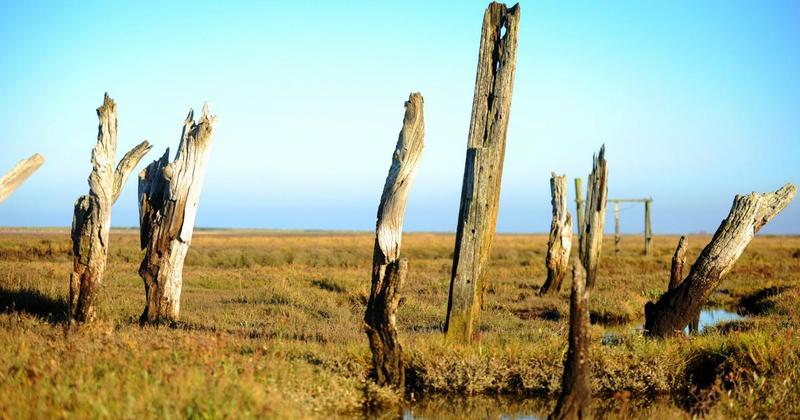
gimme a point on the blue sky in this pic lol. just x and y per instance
(695, 101)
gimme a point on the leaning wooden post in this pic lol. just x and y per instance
(169, 194)
(92, 218)
(591, 242)
(483, 168)
(616, 227)
(749, 213)
(579, 205)
(560, 242)
(576, 393)
(18, 174)
(648, 233)
(388, 269)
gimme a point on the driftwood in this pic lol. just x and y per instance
(388, 269)
(18, 174)
(573, 403)
(92, 218)
(168, 197)
(579, 206)
(749, 213)
(560, 242)
(483, 169)
(591, 241)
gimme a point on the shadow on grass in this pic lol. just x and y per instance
(33, 302)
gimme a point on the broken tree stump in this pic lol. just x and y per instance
(18, 174)
(388, 269)
(591, 241)
(678, 261)
(749, 213)
(579, 205)
(560, 242)
(169, 194)
(92, 217)
(483, 169)
(573, 402)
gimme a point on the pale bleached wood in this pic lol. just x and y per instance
(483, 168)
(388, 269)
(749, 213)
(579, 206)
(560, 242)
(18, 174)
(575, 397)
(92, 216)
(169, 194)
(591, 241)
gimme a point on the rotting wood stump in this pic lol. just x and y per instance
(579, 206)
(18, 174)
(591, 240)
(678, 261)
(675, 309)
(560, 242)
(92, 216)
(575, 397)
(169, 194)
(388, 269)
(483, 169)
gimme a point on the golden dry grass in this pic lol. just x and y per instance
(271, 326)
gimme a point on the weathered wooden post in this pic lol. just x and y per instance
(169, 194)
(749, 213)
(616, 227)
(560, 242)
(579, 205)
(678, 261)
(92, 218)
(18, 174)
(648, 232)
(388, 269)
(483, 168)
(576, 393)
(591, 242)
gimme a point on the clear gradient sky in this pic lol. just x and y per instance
(695, 101)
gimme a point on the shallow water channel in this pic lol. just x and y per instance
(709, 317)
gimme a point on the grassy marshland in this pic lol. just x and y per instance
(271, 326)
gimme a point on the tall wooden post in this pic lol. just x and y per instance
(483, 169)
(560, 242)
(18, 174)
(576, 391)
(388, 269)
(169, 193)
(579, 205)
(591, 243)
(616, 227)
(648, 233)
(91, 221)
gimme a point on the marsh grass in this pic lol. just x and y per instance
(271, 325)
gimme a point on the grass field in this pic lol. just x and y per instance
(271, 326)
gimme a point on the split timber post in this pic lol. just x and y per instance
(676, 277)
(483, 169)
(616, 228)
(92, 218)
(648, 232)
(560, 242)
(749, 213)
(576, 393)
(591, 242)
(579, 205)
(18, 174)
(388, 269)
(169, 194)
